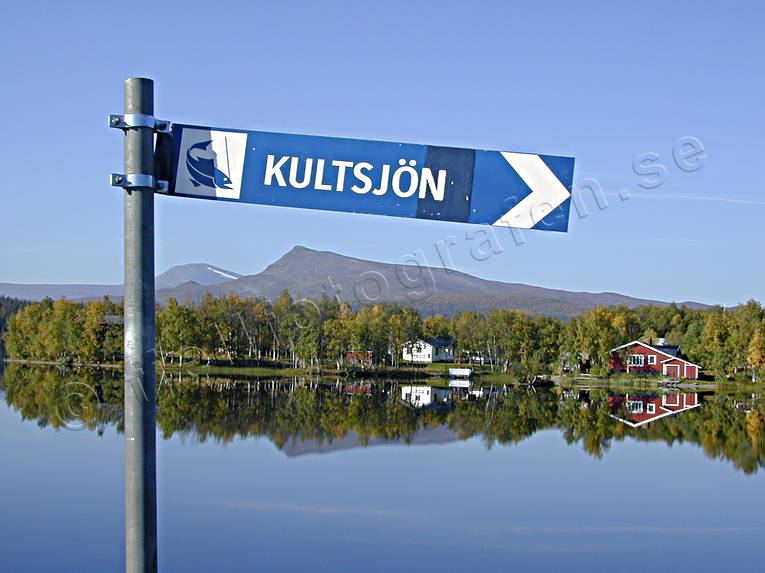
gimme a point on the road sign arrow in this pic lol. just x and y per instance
(372, 177)
(547, 191)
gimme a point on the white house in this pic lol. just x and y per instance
(428, 350)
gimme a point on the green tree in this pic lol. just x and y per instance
(756, 354)
(715, 337)
(467, 327)
(436, 326)
(599, 335)
(404, 329)
(176, 329)
(742, 325)
(337, 334)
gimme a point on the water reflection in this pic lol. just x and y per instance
(303, 416)
(639, 409)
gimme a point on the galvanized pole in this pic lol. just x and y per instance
(140, 378)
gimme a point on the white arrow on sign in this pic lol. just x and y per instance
(547, 191)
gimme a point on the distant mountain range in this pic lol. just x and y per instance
(201, 274)
(309, 273)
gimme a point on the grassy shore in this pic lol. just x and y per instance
(434, 374)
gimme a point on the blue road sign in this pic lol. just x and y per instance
(521, 190)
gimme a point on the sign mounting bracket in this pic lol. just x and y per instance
(131, 120)
(138, 180)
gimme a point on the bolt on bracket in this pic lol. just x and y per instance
(138, 180)
(130, 120)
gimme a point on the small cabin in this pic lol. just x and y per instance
(426, 351)
(638, 356)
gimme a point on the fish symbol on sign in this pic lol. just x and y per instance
(201, 163)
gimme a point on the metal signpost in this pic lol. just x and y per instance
(138, 181)
(520, 190)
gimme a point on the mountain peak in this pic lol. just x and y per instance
(301, 250)
(302, 259)
(200, 273)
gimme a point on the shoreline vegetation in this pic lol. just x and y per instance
(420, 375)
(328, 338)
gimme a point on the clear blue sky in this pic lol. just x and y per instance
(599, 82)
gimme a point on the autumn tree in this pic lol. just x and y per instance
(436, 326)
(756, 353)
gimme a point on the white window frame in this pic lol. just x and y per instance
(651, 360)
(650, 408)
(635, 406)
(636, 360)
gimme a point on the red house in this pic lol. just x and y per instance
(359, 357)
(637, 356)
(641, 409)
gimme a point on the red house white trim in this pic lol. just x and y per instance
(642, 357)
(642, 409)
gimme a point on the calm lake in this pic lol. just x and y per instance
(309, 475)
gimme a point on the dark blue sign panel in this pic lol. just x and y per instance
(521, 190)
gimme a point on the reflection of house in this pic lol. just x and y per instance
(642, 409)
(638, 356)
(483, 392)
(422, 396)
(440, 349)
(746, 405)
(359, 388)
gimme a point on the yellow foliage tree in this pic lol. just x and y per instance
(756, 354)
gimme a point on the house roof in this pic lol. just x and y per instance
(641, 343)
(439, 341)
(668, 349)
(658, 349)
(673, 358)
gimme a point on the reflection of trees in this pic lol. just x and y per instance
(89, 398)
(282, 412)
(589, 422)
(726, 427)
(730, 433)
(505, 418)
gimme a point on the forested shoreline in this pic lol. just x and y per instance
(315, 334)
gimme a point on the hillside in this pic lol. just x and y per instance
(310, 273)
(307, 272)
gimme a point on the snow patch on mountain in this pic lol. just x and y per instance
(224, 275)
